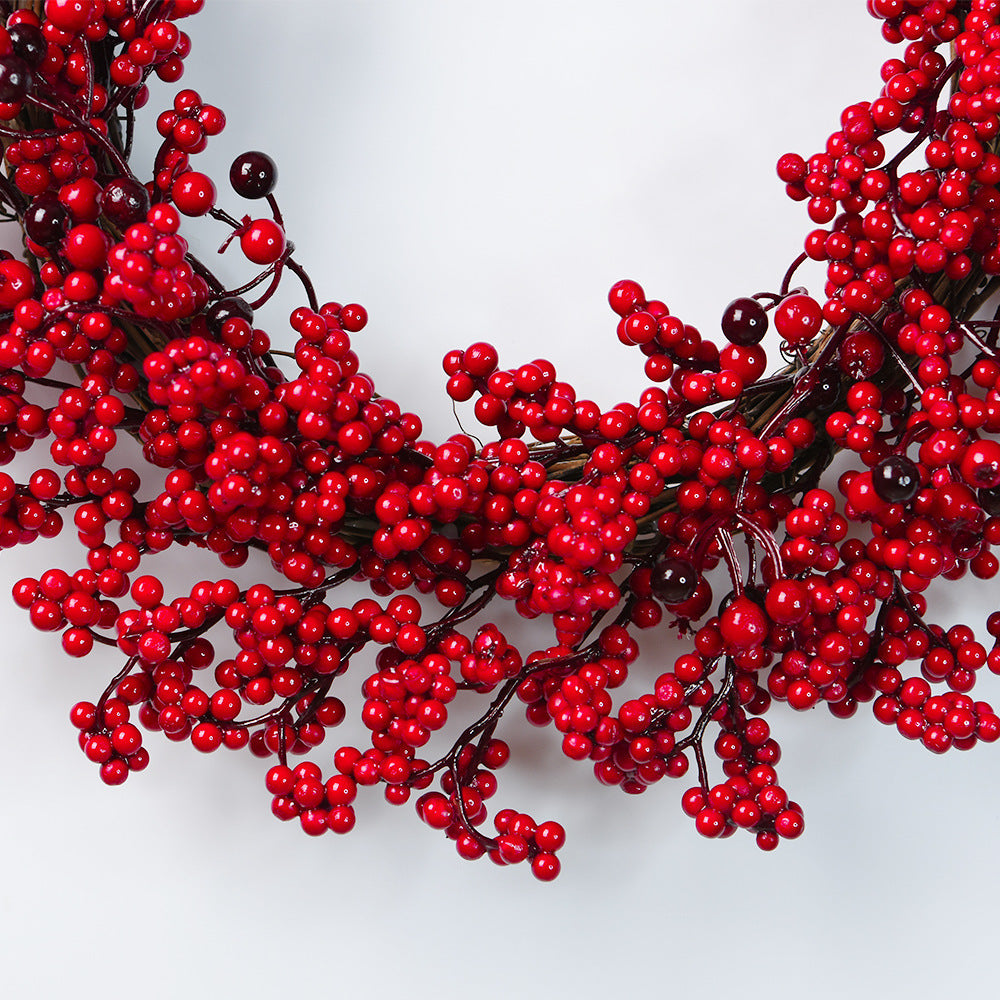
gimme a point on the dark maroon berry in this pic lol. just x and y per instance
(896, 479)
(224, 309)
(28, 43)
(989, 500)
(673, 580)
(16, 78)
(744, 322)
(253, 175)
(45, 220)
(825, 392)
(125, 202)
(993, 624)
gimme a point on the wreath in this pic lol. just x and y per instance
(707, 506)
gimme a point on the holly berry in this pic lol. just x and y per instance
(263, 242)
(798, 319)
(253, 175)
(896, 479)
(744, 322)
(674, 580)
(16, 78)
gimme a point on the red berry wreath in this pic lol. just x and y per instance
(706, 506)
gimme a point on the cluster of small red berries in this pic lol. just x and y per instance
(609, 522)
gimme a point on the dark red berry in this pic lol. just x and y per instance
(28, 41)
(253, 175)
(125, 202)
(46, 219)
(744, 322)
(674, 581)
(896, 479)
(16, 78)
(232, 306)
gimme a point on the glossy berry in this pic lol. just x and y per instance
(263, 242)
(232, 307)
(28, 41)
(16, 78)
(46, 220)
(744, 322)
(981, 465)
(673, 580)
(253, 175)
(193, 193)
(896, 479)
(125, 202)
(798, 318)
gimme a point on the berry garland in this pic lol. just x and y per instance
(704, 507)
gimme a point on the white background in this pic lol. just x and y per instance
(472, 170)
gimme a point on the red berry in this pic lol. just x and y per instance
(263, 242)
(194, 194)
(798, 319)
(743, 624)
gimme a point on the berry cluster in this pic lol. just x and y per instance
(705, 505)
